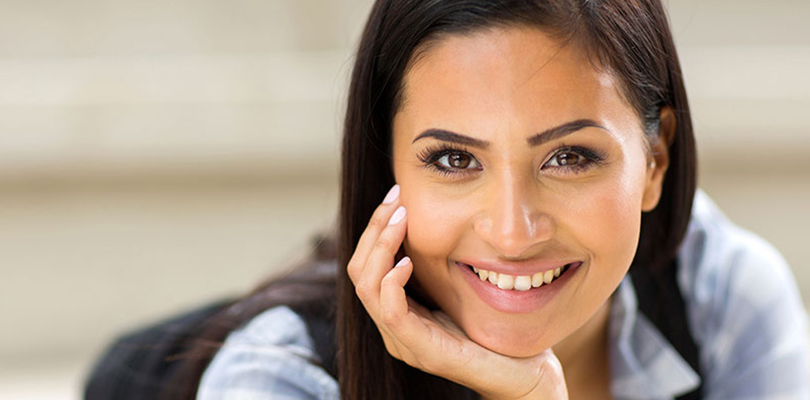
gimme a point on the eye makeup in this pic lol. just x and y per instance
(586, 157)
(439, 159)
(432, 156)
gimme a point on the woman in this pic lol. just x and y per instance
(533, 152)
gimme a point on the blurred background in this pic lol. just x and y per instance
(156, 155)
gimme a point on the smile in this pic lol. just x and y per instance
(520, 293)
(520, 282)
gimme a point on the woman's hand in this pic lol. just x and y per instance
(430, 341)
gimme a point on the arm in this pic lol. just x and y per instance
(271, 357)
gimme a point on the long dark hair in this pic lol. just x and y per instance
(630, 39)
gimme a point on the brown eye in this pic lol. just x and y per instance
(567, 158)
(573, 160)
(458, 160)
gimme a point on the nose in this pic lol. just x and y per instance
(512, 221)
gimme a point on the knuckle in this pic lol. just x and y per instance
(390, 282)
(386, 282)
(390, 318)
(384, 243)
(377, 221)
(353, 268)
(392, 350)
(363, 289)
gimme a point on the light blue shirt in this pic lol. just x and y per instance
(742, 304)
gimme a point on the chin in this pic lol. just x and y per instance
(511, 342)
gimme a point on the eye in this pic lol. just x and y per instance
(573, 159)
(458, 160)
(448, 160)
(566, 158)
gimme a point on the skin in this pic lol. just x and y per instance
(513, 203)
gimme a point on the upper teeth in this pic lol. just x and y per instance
(520, 282)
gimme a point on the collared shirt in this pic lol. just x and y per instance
(742, 304)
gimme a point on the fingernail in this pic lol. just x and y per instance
(392, 195)
(399, 214)
(403, 261)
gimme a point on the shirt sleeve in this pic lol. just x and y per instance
(752, 325)
(272, 357)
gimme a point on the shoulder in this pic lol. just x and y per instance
(721, 263)
(272, 354)
(716, 254)
(743, 305)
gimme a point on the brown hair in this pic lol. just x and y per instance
(630, 38)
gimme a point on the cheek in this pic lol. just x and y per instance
(612, 219)
(617, 225)
(434, 224)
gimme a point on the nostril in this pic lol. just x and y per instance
(514, 236)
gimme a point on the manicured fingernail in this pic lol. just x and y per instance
(392, 195)
(403, 261)
(399, 214)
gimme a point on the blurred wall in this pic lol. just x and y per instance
(155, 155)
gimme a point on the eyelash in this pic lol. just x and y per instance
(592, 157)
(431, 155)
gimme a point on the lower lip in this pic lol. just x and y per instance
(515, 301)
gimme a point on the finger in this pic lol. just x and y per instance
(395, 307)
(400, 317)
(393, 300)
(381, 259)
(405, 323)
(375, 226)
(552, 381)
(538, 377)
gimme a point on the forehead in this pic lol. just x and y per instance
(477, 82)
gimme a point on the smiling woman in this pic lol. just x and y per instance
(538, 238)
(514, 204)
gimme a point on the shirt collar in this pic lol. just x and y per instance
(644, 365)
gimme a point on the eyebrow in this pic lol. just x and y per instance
(535, 140)
(562, 131)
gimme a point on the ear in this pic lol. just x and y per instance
(658, 161)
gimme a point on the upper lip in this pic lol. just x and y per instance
(526, 267)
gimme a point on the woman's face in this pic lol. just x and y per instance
(515, 156)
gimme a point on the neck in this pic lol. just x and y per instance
(583, 354)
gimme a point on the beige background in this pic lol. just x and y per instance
(158, 154)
